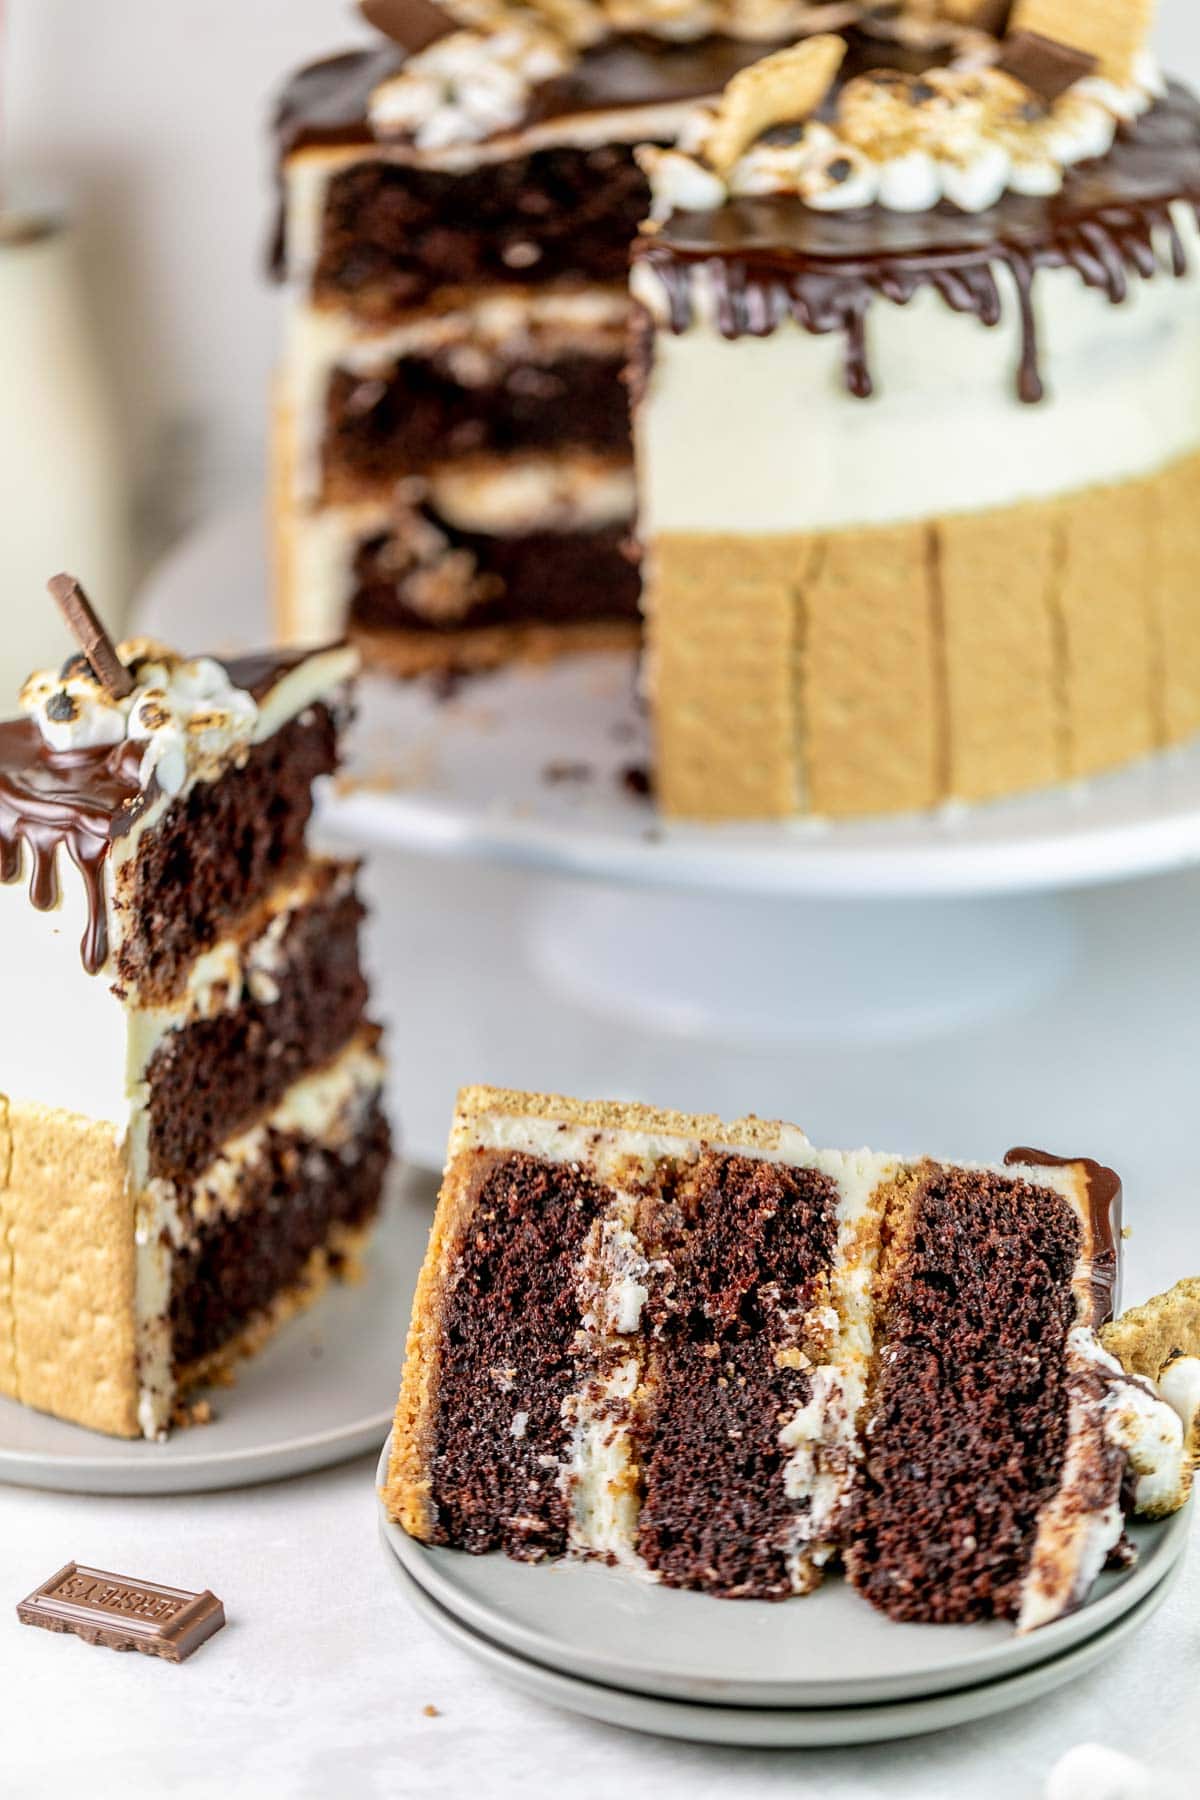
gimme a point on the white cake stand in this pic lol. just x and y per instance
(954, 983)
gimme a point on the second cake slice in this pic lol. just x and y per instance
(720, 1356)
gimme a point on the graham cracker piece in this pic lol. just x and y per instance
(872, 674)
(782, 89)
(8, 1343)
(408, 1489)
(1115, 32)
(1103, 611)
(1002, 676)
(281, 533)
(476, 1103)
(1146, 1338)
(721, 621)
(69, 1222)
(1175, 526)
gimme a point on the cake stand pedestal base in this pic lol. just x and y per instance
(785, 972)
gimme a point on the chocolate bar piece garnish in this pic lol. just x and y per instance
(1045, 66)
(414, 24)
(122, 1614)
(95, 642)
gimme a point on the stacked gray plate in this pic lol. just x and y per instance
(828, 1670)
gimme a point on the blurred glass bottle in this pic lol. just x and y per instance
(64, 495)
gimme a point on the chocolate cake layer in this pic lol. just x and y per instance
(507, 1333)
(210, 1079)
(423, 414)
(217, 850)
(748, 1244)
(968, 1420)
(395, 236)
(289, 1201)
(545, 577)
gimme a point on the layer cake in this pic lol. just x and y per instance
(918, 423)
(453, 463)
(191, 1135)
(721, 1358)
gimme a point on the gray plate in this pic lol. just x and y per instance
(829, 1649)
(324, 1390)
(782, 1728)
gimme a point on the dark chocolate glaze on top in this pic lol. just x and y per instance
(82, 801)
(774, 258)
(326, 104)
(1104, 1198)
(78, 801)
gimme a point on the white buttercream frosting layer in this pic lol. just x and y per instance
(944, 433)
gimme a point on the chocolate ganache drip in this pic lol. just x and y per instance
(81, 801)
(75, 801)
(1104, 1199)
(771, 259)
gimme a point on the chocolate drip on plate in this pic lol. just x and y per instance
(1104, 1197)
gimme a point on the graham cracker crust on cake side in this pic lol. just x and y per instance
(67, 1319)
(894, 667)
(407, 1491)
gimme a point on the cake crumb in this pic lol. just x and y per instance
(379, 781)
(555, 772)
(431, 1712)
(192, 1412)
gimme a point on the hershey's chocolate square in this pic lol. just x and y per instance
(1044, 65)
(123, 1614)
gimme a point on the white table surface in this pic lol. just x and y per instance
(318, 1684)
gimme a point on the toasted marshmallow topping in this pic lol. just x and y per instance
(582, 23)
(966, 133)
(1110, 1411)
(186, 712)
(467, 86)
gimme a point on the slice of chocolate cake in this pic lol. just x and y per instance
(453, 464)
(720, 1357)
(191, 1138)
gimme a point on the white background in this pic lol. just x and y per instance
(152, 114)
